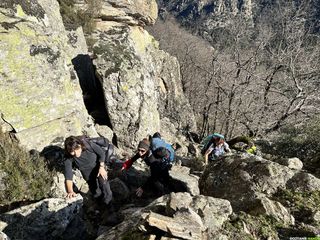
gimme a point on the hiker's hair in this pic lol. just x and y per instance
(220, 141)
(72, 143)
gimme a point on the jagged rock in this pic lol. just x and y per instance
(207, 15)
(39, 98)
(189, 181)
(242, 178)
(46, 219)
(104, 131)
(292, 163)
(274, 209)
(58, 189)
(213, 211)
(119, 189)
(180, 215)
(141, 84)
(304, 182)
(3, 236)
(138, 12)
(185, 226)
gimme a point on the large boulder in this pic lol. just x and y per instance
(242, 178)
(40, 100)
(265, 206)
(178, 215)
(141, 84)
(304, 182)
(138, 12)
(185, 181)
(58, 189)
(52, 218)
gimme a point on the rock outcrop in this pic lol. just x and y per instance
(242, 179)
(40, 101)
(141, 84)
(178, 215)
(304, 182)
(46, 219)
(208, 14)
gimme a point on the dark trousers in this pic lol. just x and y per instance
(99, 187)
(160, 180)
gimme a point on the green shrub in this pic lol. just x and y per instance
(259, 227)
(25, 176)
(73, 17)
(302, 142)
(301, 204)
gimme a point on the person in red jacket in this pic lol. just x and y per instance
(159, 173)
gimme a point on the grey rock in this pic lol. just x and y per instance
(304, 182)
(3, 175)
(180, 215)
(142, 85)
(138, 12)
(38, 93)
(242, 178)
(265, 206)
(292, 163)
(58, 189)
(46, 219)
(189, 181)
(3, 236)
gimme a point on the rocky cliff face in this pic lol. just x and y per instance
(208, 14)
(40, 99)
(141, 84)
(138, 85)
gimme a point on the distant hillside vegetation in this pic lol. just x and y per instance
(248, 74)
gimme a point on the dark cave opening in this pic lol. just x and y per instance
(92, 90)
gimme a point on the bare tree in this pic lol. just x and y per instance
(260, 81)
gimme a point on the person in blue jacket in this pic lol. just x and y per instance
(159, 163)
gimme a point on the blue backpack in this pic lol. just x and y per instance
(158, 144)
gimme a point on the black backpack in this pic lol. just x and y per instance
(104, 143)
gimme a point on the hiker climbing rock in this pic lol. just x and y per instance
(158, 155)
(90, 159)
(214, 146)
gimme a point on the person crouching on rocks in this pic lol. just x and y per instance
(159, 178)
(217, 148)
(89, 158)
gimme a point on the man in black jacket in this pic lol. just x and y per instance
(89, 158)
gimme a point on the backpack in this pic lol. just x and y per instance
(206, 142)
(157, 144)
(103, 143)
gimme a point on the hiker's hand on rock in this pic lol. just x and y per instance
(71, 195)
(103, 173)
(139, 192)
